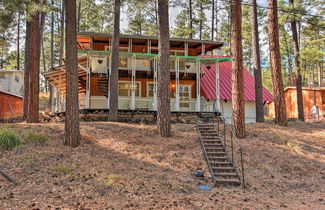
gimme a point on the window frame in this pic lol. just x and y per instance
(129, 88)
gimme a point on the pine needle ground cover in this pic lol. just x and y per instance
(122, 166)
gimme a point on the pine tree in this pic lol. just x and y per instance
(300, 105)
(72, 133)
(257, 63)
(238, 115)
(33, 65)
(113, 81)
(278, 91)
(163, 112)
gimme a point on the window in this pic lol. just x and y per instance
(184, 96)
(123, 62)
(2, 76)
(16, 78)
(150, 90)
(125, 89)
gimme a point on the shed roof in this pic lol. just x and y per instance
(208, 83)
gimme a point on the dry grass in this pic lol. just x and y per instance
(129, 166)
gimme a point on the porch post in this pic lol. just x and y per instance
(155, 84)
(59, 94)
(198, 86)
(186, 48)
(87, 104)
(218, 105)
(177, 85)
(132, 105)
(108, 78)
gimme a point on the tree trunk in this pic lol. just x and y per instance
(238, 115)
(79, 15)
(72, 133)
(257, 63)
(62, 34)
(18, 42)
(300, 105)
(278, 91)
(33, 65)
(163, 111)
(217, 20)
(52, 56)
(26, 70)
(113, 81)
(201, 21)
(191, 19)
(212, 21)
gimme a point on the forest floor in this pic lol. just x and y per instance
(121, 165)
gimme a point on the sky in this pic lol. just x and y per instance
(173, 12)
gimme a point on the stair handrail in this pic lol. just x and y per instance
(205, 154)
(232, 137)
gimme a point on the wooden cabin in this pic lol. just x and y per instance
(11, 106)
(138, 68)
(311, 96)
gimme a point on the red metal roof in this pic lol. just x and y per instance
(208, 83)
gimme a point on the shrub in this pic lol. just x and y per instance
(8, 140)
(34, 138)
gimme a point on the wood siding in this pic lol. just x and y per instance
(309, 98)
(10, 106)
(94, 90)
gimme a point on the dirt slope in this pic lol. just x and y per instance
(122, 166)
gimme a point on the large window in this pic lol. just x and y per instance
(125, 89)
(184, 96)
(150, 91)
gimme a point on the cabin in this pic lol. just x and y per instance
(194, 69)
(11, 106)
(12, 81)
(310, 95)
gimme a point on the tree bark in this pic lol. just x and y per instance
(238, 115)
(18, 41)
(201, 21)
(113, 81)
(257, 63)
(52, 55)
(62, 34)
(26, 70)
(163, 112)
(300, 105)
(278, 91)
(191, 19)
(212, 20)
(72, 133)
(79, 15)
(33, 65)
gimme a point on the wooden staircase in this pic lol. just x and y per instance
(103, 85)
(222, 167)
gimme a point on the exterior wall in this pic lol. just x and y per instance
(250, 113)
(12, 82)
(309, 98)
(10, 106)
(140, 48)
(94, 90)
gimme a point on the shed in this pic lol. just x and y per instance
(11, 106)
(311, 96)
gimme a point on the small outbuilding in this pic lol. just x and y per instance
(11, 106)
(311, 96)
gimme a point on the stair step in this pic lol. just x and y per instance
(213, 146)
(229, 182)
(227, 175)
(223, 169)
(216, 164)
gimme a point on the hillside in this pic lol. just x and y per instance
(128, 166)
